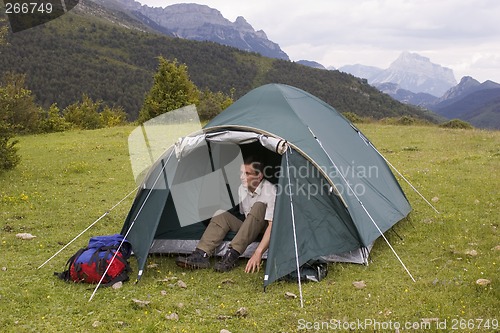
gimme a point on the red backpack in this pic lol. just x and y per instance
(88, 264)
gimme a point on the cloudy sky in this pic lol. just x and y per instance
(463, 35)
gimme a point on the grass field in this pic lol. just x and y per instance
(67, 180)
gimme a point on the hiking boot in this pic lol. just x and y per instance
(196, 260)
(228, 262)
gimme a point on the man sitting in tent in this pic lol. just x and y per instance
(256, 207)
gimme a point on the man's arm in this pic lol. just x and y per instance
(253, 264)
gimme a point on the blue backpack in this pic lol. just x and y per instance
(88, 264)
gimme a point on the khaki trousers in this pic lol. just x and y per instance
(246, 231)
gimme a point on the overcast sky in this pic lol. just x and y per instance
(463, 35)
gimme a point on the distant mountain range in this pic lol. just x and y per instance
(472, 101)
(469, 100)
(411, 78)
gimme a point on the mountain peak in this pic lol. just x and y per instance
(488, 84)
(310, 63)
(416, 63)
(241, 23)
(468, 80)
(466, 85)
(407, 56)
(417, 73)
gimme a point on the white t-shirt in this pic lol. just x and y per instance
(265, 193)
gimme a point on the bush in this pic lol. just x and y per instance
(53, 121)
(111, 117)
(211, 104)
(17, 105)
(457, 124)
(406, 120)
(352, 117)
(8, 152)
(84, 115)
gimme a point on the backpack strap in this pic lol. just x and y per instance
(65, 275)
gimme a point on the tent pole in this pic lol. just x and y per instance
(406, 180)
(363, 206)
(131, 225)
(90, 226)
(294, 232)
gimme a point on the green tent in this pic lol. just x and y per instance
(336, 193)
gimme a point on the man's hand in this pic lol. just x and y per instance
(253, 264)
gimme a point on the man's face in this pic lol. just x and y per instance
(250, 177)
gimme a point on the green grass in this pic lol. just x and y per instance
(67, 180)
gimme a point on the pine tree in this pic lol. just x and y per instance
(17, 104)
(172, 89)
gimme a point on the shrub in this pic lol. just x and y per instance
(352, 117)
(8, 152)
(111, 117)
(457, 124)
(406, 120)
(17, 105)
(84, 115)
(211, 104)
(53, 121)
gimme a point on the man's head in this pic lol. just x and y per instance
(251, 173)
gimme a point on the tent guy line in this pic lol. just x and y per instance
(90, 226)
(406, 180)
(363, 206)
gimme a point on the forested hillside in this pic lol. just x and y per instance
(81, 53)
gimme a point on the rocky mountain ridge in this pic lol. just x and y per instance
(202, 23)
(472, 101)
